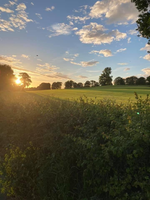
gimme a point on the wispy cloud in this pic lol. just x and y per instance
(146, 71)
(50, 9)
(32, 3)
(147, 57)
(105, 53)
(82, 76)
(122, 63)
(146, 48)
(38, 15)
(121, 50)
(86, 64)
(25, 56)
(126, 69)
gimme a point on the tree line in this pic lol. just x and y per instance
(7, 81)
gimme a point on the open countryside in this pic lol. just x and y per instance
(75, 100)
(117, 93)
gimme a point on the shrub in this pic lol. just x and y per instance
(83, 150)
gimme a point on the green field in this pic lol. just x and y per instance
(118, 93)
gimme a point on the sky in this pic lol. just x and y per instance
(59, 40)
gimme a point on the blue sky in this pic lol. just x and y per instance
(73, 39)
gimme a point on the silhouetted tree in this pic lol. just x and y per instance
(87, 84)
(44, 86)
(56, 85)
(75, 85)
(80, 85)
(131, 80)
(148, 80)
(7, 77)
(96, 84)
(105, 78)
(141, 81)
(93, 83)
(143, 23)
(69, 84)
(25, 79)
(119, 81)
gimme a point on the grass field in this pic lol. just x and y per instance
(118, 93)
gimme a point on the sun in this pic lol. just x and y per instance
(18, 81)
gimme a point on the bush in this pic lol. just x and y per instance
(83, 150)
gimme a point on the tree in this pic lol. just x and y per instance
(87, 84)
(80, 85)
(119, 81)
(148, 80)
(105, 78)
(93, 83)
(96, 84)
(75, 85)
(44, 86)
(143, 23)
(69, 84)
(141, 81)
(25, 79)
(56, 85)
(131, 80)
(7, 77)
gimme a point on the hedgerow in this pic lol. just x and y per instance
(80, 150)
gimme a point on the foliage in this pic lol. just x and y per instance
(44, 86)
(131, 80)
(141, 81)
(56, 85)
(25, 79)
(105, 78)
(83, 150)
(69, 84)
(148, 80)
(119, 81)
(6, 77)
(87, 84)
(143, 22)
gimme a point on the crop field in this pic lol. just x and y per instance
(117, 93)
(75, 150)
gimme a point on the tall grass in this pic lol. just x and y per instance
(80, 150)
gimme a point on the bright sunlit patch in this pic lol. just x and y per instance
(18, 81)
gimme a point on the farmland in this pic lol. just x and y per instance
(117, 93)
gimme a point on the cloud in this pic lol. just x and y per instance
(50, 9)
(93, 71)
(47, 67)
(147, 57)
(122, 63)
(38, 15)
(74, 63)
(17, 20)
(24, 56)
(121, 50)
(76, 55)
(7, 10)
(96, 34)
(75, 29)
(21, 6)
(129, 40)
(89, 63)
(10, 60)
(39, 60)
(115, 11)
(11, 3)
(68, 59)
(126, 69)
(82, 76)
(146, 48)
(133, 32)
(78, 19)
(146, 71)
(106, 52)
(60, 29)
(32, 3)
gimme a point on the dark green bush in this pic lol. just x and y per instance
(81, 150)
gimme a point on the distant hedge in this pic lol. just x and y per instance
(81, 150)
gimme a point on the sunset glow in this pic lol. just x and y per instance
(18, 81)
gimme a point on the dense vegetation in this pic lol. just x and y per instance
(81, 150)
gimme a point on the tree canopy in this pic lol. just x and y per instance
(44, 86)
(25, 79)
(119, 81)
(105, 78)
(7, 77)
(143, 23)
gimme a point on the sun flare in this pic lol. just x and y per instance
(18, 81)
